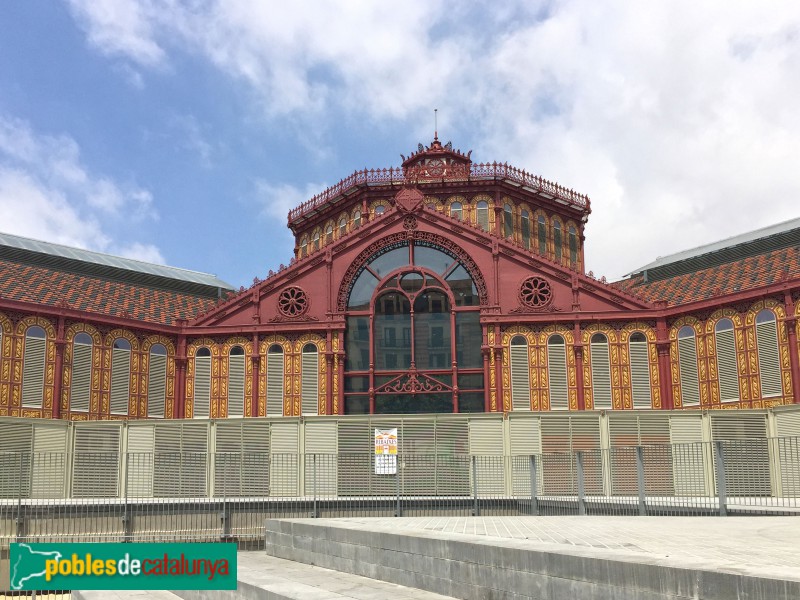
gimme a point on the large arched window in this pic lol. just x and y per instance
(328, 233)
(640, 371)
(413, 316)
(482, 215)
(33, 367)
(120, 376)
(557, 372)
(727, 370)
(456, 210)
(573, 246)
(769, 364)
(342, 227)
(309, 380)
(356, 219)
(236, 375)
(508, 221)
(315, 240)
(541, 235)
(557, 241)
(157, 381)
(520, 374)
(687, 365)
(202, 384)
(525, 228)
(80, 388)
(303, 246)
(601, 371)
(275, 381)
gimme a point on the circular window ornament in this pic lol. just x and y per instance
(535, 292)
(293, 302)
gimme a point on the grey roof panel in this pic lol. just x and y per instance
(108, 260)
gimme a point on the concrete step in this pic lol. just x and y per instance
(124, 595)
(263, 577)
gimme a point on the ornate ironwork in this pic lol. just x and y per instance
(472, 172)
(293, 302)
(410, 222)
(535, 292)
(411, 383)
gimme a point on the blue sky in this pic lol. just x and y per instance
(182, 132)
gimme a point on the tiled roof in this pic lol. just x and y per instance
(739, 275)
(95, 294)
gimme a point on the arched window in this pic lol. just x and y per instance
(431, 206)
(33, 367)
(157, 381)
(508, 221)
(303, 246)
(542, 235)
(573, 246)
(482, 215)
(727, 369)
(380, 209)
(687, 365)
(275, 381)
(520, 374)
(557, 372)
(120, 376)
(80, 388)
(328, 233)
(456, 210)
(640, 371)
(356, 219)
(236, 375)
(601, 372)
(557, 240)
(769, 364)
(315, 240)
(525, 227)
(413, 316)
(343, 227)
(202, 384)
(309, 380)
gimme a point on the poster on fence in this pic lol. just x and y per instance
(386, 451)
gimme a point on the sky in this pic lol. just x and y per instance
(182, 132)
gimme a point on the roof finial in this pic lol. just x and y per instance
(435, 124)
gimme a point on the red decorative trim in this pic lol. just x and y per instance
(535, 292)
(413, 382)
(293, 302)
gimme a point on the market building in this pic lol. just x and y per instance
(441, 286)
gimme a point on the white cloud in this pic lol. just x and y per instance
(46, 193)
(679, 119)
(276, 200)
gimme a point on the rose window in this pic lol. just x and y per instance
(292, 302)
(535, 292)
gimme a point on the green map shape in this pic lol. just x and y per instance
(28, 564)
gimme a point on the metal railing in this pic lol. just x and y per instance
(48, 497)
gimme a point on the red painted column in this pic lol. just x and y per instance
(498, 375)
(794, 359)
(664, 370)
(485, 350)
(58, 376)
(340, 373)
(578, 347)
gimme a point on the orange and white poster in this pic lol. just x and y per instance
(386, 451)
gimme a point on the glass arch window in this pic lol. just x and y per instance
(640, 371)
(315, 240)
(380, 209)
(482, 215)
(687, 366)
(275, 380)
(157, 381)
(508, 221)
(413, 334)
(80, 388)
(236, 380)
(202, 384)
(557, 241)
(343, 227)
(542, 235)
(769, 365)
(573, 246)
(303, 246)
(328, 233)
(525, 229)
(601, 371)
(120, 376)
(727, 370)
(456, 210)
(557, 372)
(33, 367)
(356, 219)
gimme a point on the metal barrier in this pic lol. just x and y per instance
(134, 497)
